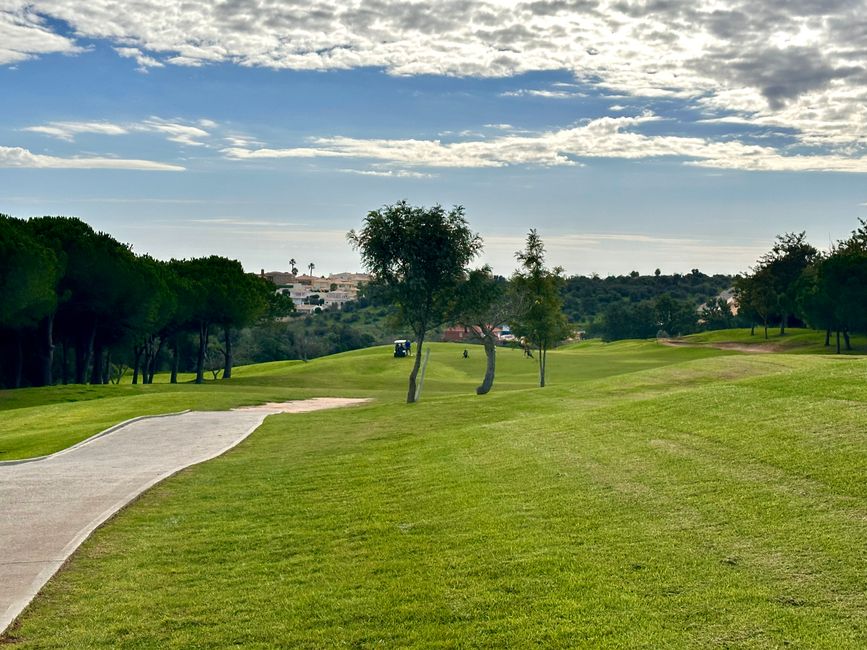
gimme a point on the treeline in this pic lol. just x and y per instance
(641, 306)
(794, 283)
(80, 307)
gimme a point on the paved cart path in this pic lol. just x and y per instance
(50, 505)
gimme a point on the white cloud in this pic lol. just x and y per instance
(389, 173)
(185, 134)
(798, 65)
(608, 137)
(144, 61)
(68, 130)
(24, 34)
(19, 157)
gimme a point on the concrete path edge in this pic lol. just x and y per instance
(111, 429)
(8, 618)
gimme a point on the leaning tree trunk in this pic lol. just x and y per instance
(136, 363)
(227, 367)
(203, 348)
(491, 357)
(410, 393)
(151, 366)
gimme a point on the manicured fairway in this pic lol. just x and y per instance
(39, 421)
(649, 497)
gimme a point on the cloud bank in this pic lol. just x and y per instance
(797, 65)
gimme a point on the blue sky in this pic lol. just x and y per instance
(632, 135)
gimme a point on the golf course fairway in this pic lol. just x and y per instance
(648, 497)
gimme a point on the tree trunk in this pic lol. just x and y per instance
(783, 321)
(838, 341)
(753, 329)
(846, 338)
(766, 329)
(203, 348)
(543, 353)
(176, 362)
(828, 337)
(96, 371)
(491, 358)
(83, 355)
(136, 363)
(410, 394)
(227, 367)
(46, 334)
(151, 367)
(106, 372)
(19, 360)
(64, 371)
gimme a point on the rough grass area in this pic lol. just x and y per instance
(794, 341)
(39, 421)
(640, 501)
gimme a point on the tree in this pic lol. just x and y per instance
(540, 319)
(29, 274)
(483, 303)
(783, 265)
(756, 298)
(418, 256)
(675, 317)
(311, 266)
(716, 314)
(292, 268)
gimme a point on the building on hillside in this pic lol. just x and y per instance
(336, 290)
(457, 333)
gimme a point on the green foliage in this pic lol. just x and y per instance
(539, 316)
(417, 256)
(586, 299)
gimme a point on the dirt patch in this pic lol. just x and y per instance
(305, 405)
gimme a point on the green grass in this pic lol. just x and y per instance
(649, 497)
(794, 341)
(44, 420)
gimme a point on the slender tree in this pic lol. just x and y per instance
(541, 319)
(418, 256)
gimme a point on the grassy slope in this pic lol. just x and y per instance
(44, 420)
(796, 341)
(718, 501)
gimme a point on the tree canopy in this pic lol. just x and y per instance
(418, 256)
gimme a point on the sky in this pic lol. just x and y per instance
(633, 135)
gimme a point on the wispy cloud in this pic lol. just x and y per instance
(22, 158)
(389, 173)
(143, 60)
(608, 137)
(174, 130)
